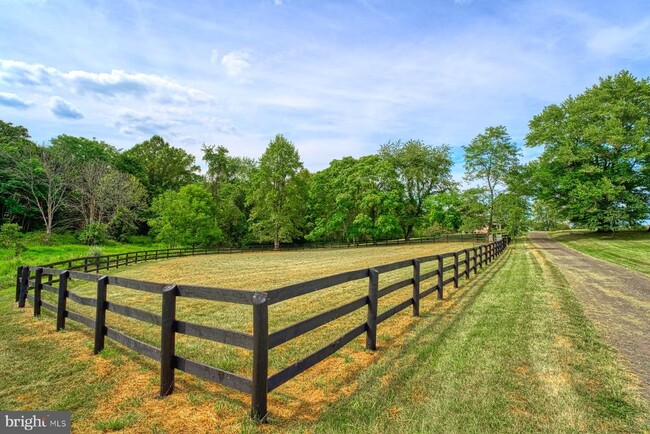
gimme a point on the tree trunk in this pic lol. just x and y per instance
(276, 244)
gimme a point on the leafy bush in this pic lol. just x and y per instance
(94, 252)
(11, 238)
(94, 233)
(122, 225)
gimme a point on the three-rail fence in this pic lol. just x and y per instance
(54, 280)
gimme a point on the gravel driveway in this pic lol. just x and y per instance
(616, 299)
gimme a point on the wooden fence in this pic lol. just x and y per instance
(106, 262)
(261, 341)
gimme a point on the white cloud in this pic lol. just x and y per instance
(139, 124)
(63, 109)
(235, 62)
(628, 41)
(214, 56)
(14, 101)
(116, 83)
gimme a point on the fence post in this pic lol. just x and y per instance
(167, 340)
(24, 287)
(19, 275)
(480, 256)
(260, 356)
(63, 289)
(466, 263)
(100, 314)
(85, 265)
(38, 277)
(455, 269)
(416, 287)
(440, 273)
(373, 288)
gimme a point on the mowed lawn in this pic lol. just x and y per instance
(630, 249)
(510, 352)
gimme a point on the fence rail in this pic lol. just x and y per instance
(260, 341)
(107, 262)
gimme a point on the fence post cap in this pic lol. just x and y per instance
(260, 297)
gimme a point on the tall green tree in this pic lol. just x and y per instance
(475, 209)
(444, 210)
(355, 199)
(490, 158)
(80, 150)
(160, 166)
(278, 193)
(595, 166)
(422, 170)
(16, 147)
(229, 180)
(186, 217)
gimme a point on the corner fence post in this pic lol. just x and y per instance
(167, 340)
(100, 314)
(38, 286)
(260, 356)
(373, 289)
(416, 287)
(440, 275)
(455, 269)
(63, 293)
(24, 286)
(19, 275)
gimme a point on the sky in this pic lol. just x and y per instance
(337, 78)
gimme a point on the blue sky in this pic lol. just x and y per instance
(337, 78)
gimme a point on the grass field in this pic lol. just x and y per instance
(61, 247)
(630, 249)
(509, 353)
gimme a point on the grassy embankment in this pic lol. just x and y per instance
(630, 249)
(61, 247)
(509, 353)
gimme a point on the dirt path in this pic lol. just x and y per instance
(615, 298)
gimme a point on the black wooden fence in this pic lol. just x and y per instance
(261, 341)
(106, 262)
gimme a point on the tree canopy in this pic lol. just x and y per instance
(594, 168)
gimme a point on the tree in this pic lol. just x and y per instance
(121, 200)
(46, 183)
(229, 180)
(444, 210)
(474, 208)
(595, 166)
(185, 217)
(355, 199)
(490, 157)
(159, 166)
(16, 146)
(80, 150)
(545, 217)
(278, 193)
(422, 170)
(511, 213)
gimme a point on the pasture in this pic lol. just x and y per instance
(630, 249)
(501, 348)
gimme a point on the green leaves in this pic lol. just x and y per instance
(594, 168)
(186, 217)
(278, 193)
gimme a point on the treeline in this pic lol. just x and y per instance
(594, 172)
